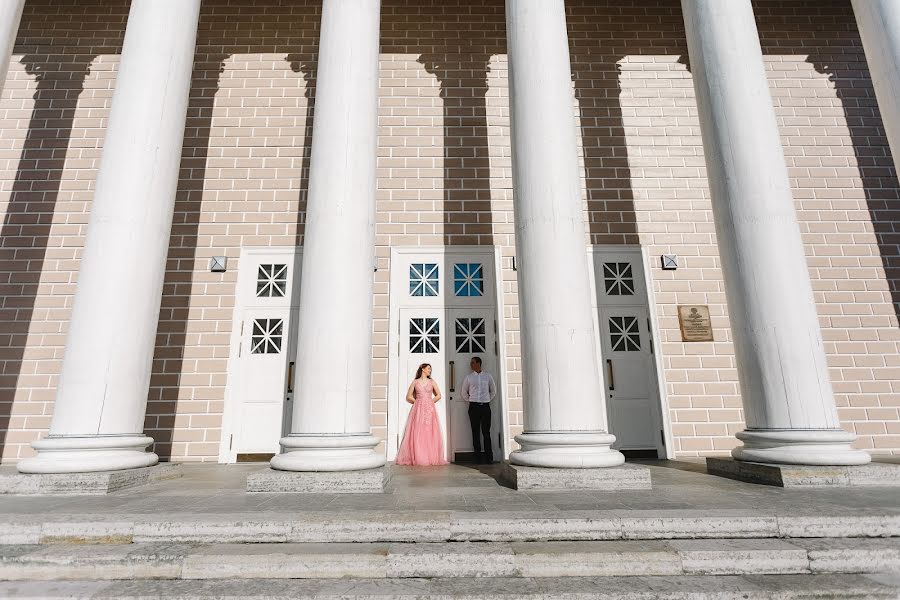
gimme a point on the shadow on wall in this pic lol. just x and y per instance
(877, 170)
(26, 229)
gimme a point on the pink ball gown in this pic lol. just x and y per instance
(423, 444)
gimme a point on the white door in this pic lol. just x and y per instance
(259, 392)
(632, 395)
(472, 332)
(267, 352)
(629, 377)
(422, 340)
(443, 308)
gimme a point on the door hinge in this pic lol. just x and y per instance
(230, 441)
(662, 437)
(650, 335)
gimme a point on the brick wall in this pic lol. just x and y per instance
(444, 178)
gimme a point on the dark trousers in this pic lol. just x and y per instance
(480, 418)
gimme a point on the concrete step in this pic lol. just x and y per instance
(448, 559)
(685, 587)
(438, 526)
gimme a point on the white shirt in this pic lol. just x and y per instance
(479, 387)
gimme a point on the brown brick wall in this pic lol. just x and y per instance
(444, 178)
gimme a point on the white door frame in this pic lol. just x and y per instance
(491, 256)
(667, 450)
(244, 300)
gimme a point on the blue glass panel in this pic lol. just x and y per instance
(468, 280)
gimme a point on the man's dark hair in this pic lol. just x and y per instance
(477, 359)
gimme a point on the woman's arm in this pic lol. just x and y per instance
(410, 393)
(437, 391)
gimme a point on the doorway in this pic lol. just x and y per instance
(260, 387)
(628, 352)
(444, 312)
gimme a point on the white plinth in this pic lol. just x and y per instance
(564, 450)
(372, 481)
(85, 454)
(84, 484)
(799, 447)
(625, 477)
(792, 476)
(328, 453)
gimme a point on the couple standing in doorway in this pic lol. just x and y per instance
(423, 442)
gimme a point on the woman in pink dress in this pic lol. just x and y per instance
(423, 444)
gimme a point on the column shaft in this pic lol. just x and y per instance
(879, 28)
(10, 18)
(101, 401)
(788, 401)
(565, 417)
(330, 426)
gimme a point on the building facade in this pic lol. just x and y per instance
(281, 187)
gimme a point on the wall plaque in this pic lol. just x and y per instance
(695, 324)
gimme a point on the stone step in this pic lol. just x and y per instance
(438, 526)
(685, 587)
(449, 559)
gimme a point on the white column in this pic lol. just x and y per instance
(330, 426)
(10, 18)
(565, 417)
(879, 28)
(788, 402)
(98, 418)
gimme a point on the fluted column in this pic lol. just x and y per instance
(10, 18)
(101, 401)
(565, 418)
(330, 428)
(879, 28)
(788, 401)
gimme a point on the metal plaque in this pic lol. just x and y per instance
(696, 326)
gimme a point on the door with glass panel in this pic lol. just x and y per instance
(627, 349)
(260, 387)
(443, 308)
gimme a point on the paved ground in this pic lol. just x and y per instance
(677, 486)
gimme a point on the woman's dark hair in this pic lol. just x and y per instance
(422, 368)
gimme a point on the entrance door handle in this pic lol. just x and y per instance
(290, 378)
(611, 377)
(452, 376)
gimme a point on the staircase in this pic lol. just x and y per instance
(509, 555)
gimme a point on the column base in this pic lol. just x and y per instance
(827, 447)
(567, 450)
(328, 453)
(625, 477)
(795, 476)
(89, 454)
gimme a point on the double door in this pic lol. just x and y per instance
(448, 340)
(444, 313)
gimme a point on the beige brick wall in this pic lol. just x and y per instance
(444, 178)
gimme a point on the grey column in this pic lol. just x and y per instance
(330, 429)
(879, 28)
(98, 418)
(10, 18)
(565, 417)
(788, 401)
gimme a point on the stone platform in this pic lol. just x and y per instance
(794, 476)
(340, 482)
(626, 477)
(83, 484)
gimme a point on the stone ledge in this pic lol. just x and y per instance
(626, 477)
(371, 481)
(793, 476)
(84, 484)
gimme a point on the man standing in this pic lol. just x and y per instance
(478, 390)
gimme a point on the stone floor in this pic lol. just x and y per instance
(677, 486)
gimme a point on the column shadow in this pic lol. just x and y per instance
(877, 168)
(171, 333)
(26, 228)
(305, 64)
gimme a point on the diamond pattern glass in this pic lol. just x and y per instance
(271, 281)
(468, 280)
(618, 279)
(266, 337)
(624, 334)
(424, 335)
(470, 335)
(424, 279)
